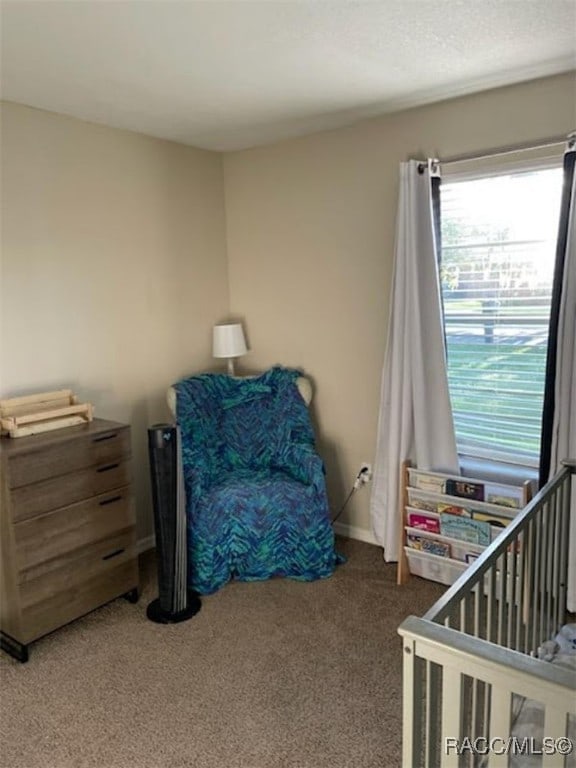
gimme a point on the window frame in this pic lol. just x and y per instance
(487, 461)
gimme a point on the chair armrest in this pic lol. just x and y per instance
(300, 462)
(171, 400)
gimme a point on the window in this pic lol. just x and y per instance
(498, 242)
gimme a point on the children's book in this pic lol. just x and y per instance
(424, 522)
(432, 546)
(425, 482)
(497, 520)
(424, 504)
(465, 529)
(504, 496)
(452, 509)
(466, 489)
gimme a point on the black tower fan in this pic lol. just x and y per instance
(175, 601)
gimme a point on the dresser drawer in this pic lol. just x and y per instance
(67, 528)
(97, 558)
(68, 456)
(56, 492)
(77, 588)
(46, 542)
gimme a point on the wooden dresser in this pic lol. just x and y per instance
(67, 529)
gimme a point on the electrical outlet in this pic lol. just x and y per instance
(365, 473)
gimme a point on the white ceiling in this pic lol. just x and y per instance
(232, 74)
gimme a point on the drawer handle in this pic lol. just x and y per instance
(109, 501)
(113, 554)
(101, 438)
(107, 468)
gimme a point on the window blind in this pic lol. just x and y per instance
(498, 240)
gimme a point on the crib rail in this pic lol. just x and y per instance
(469, 662)
(463, 694)
(514, 595)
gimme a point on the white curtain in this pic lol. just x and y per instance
(564, 423)
(415, 419)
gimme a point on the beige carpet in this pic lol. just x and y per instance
(275, 674)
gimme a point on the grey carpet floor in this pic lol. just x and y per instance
(276, 674)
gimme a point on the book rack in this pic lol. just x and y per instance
(448, 520)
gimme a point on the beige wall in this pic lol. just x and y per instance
(113, 267)
(113, 263)
(310, 227)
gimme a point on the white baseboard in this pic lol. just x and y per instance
(353, 532)
(342, 529)
(143, 545)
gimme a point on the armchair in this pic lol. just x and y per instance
(255, 491)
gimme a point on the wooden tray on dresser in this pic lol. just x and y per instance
(44, 412)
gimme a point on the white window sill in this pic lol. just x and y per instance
(498, 471)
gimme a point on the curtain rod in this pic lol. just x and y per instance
(571, 139)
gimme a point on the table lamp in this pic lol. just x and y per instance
(228, 341)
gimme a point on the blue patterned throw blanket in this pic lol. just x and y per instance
(255, 492)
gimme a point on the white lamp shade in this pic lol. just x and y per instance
(228, 341)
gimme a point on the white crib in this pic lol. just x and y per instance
(471, 662)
